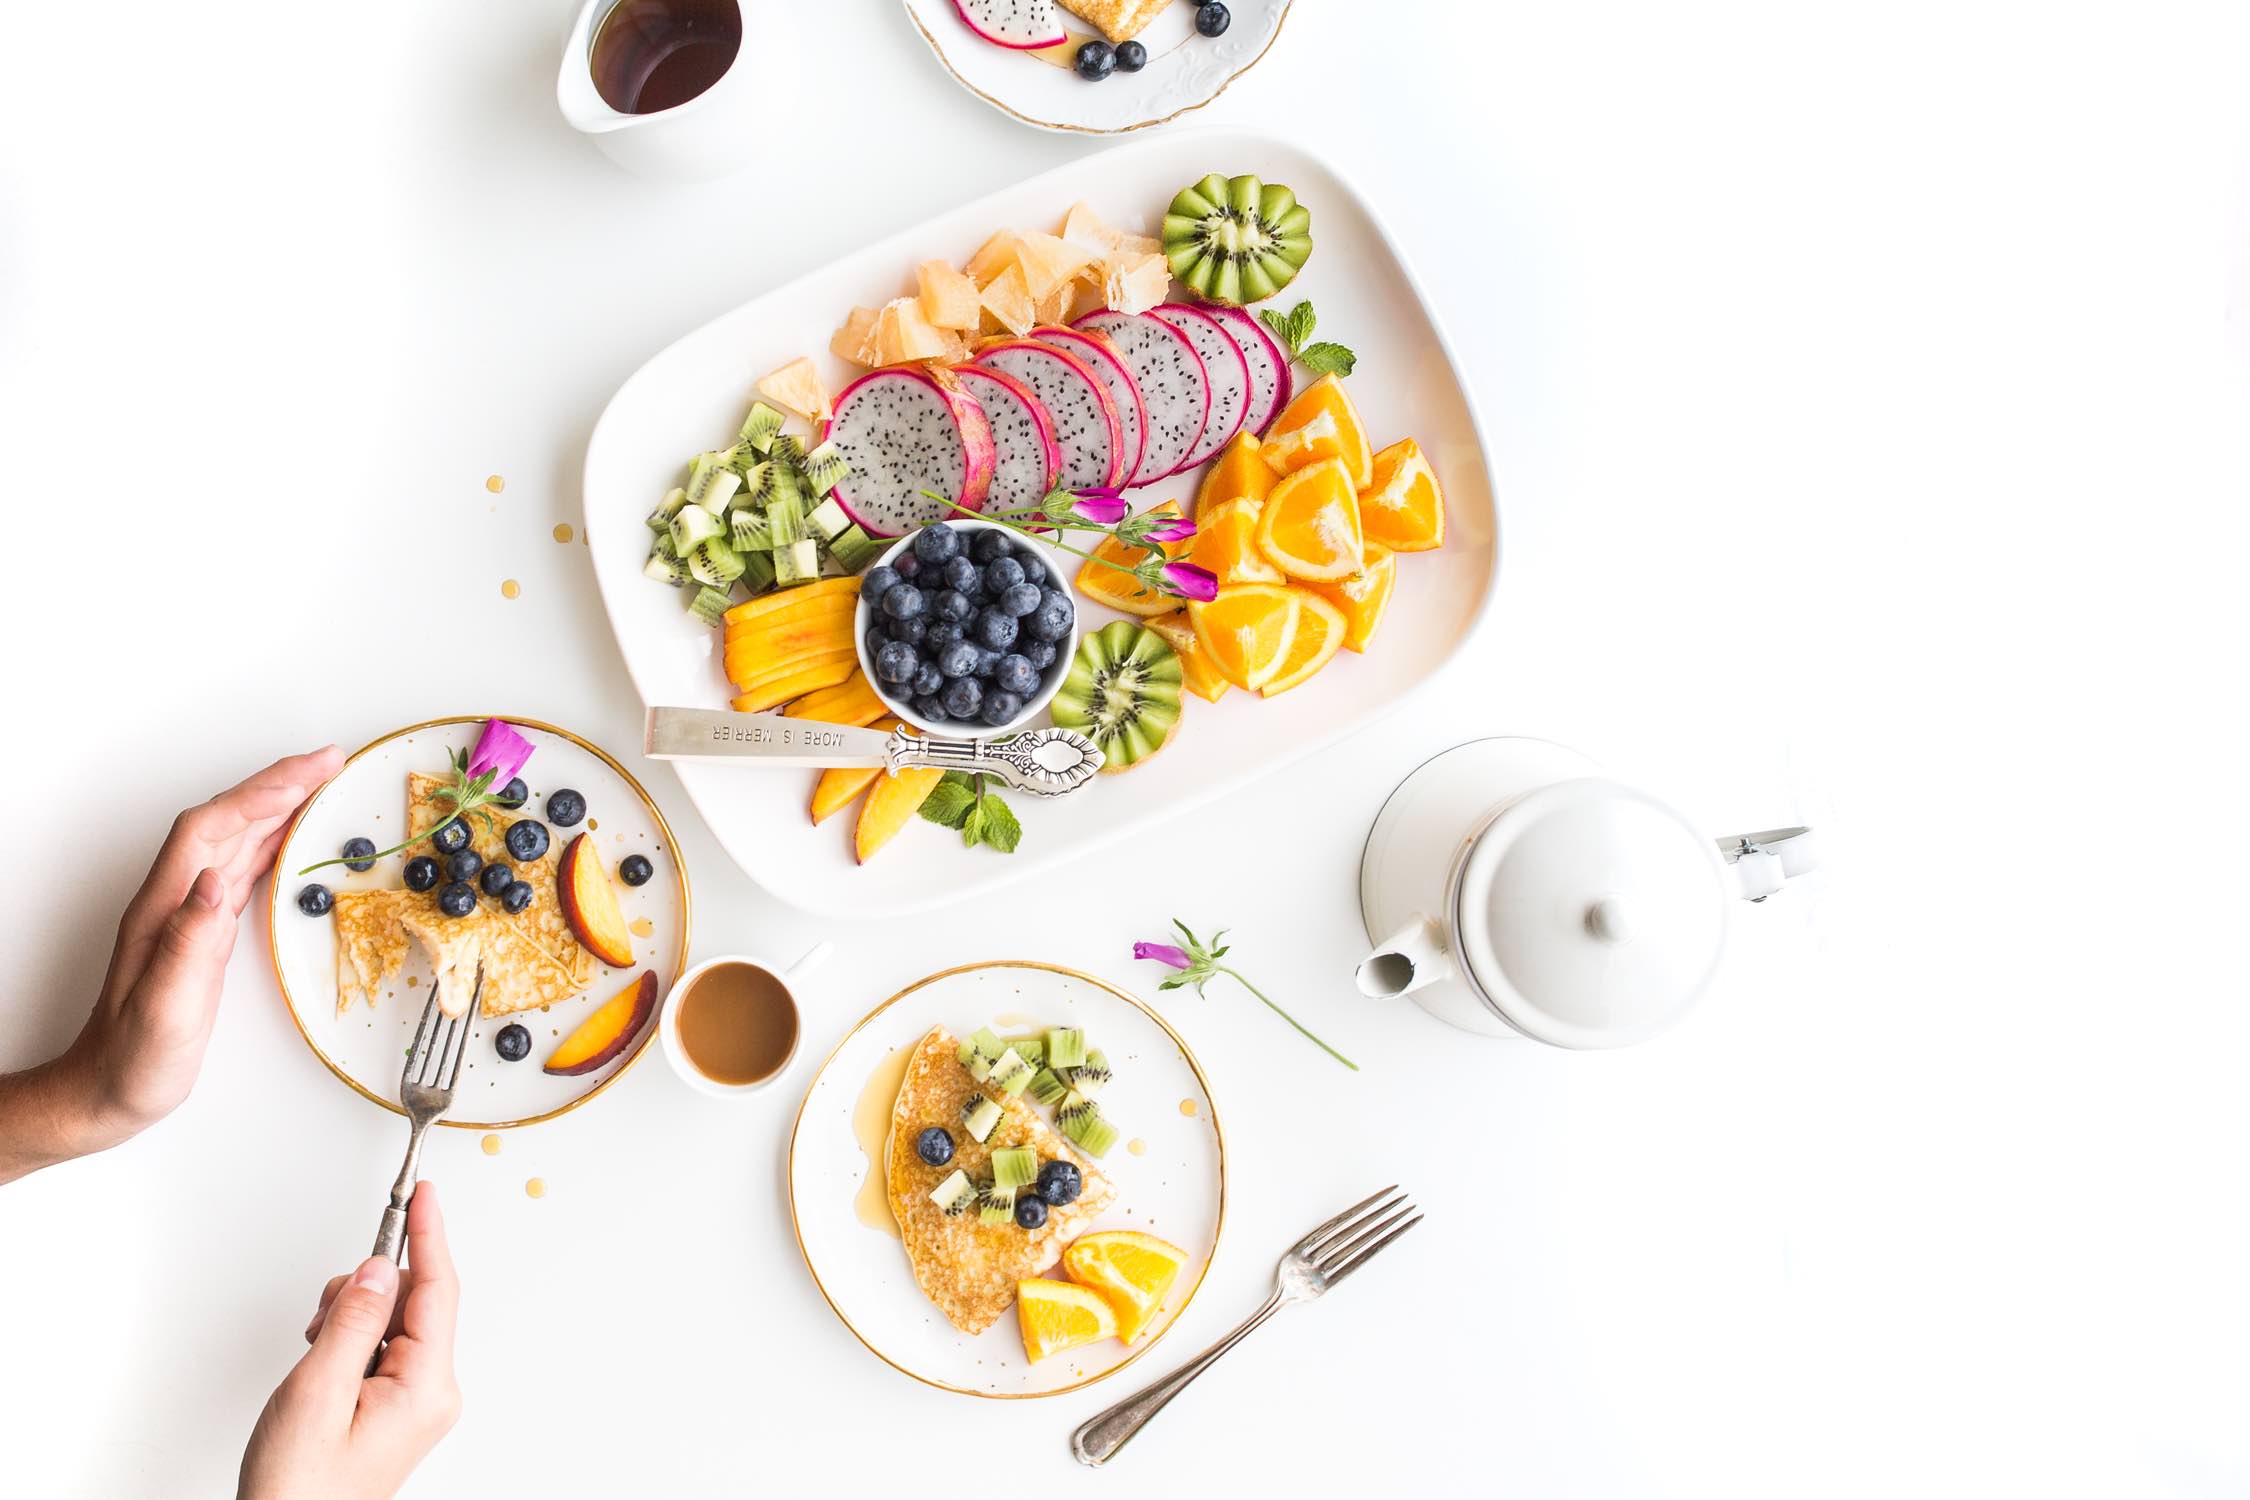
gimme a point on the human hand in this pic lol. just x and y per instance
(333, 1432)
(142, 1045)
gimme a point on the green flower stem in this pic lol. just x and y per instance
(1277, 1010)
(454, 817)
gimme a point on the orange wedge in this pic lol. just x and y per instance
(1238, 473)
(1363, 599)
(1320, 423)
(1404, 506)
(1309, 525)
(1119, 591)
(1321, 628)
(1247, 631)
(1226, 542)
(1058, 1315)
(1199, 674)
(1131, 1271)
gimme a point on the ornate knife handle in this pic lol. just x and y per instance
(1046, 762)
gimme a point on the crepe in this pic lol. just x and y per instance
(370, 944)
(542, 922)
(516, 974)
(968, 1268)
(1119, 20)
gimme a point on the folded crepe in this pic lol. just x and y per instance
(969, 1268)
(542, 922)
(1119, 20)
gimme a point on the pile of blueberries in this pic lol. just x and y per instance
(965, 623)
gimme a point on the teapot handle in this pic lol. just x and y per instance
(1762, 861)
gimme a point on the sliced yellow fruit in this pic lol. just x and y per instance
(851, 701)
(781, 599)
(1404, 506)
(838, 785)
(891, 804)
(1240, 472)
(1320, 635)
(1059, 1315)
(1226, 542)
(749, 672)
(1130, 1270)
(773, 694)
(1363, 599)
(1309, 525)
(1248, 630)
(828, 607)
(1320, 423)
(1198, 673)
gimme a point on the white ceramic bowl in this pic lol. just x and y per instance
(1049, 680)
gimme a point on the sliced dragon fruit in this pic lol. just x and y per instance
(1175, 391)
(1227, 369)
(1086, 424)
(1271, 384)
(1027, 462)
(1101, 357)
(1014, 23)
(904, 430)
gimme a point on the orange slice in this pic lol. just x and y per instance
(1106, 585)
(1238, 473)
(1321, 628)
(1320, 423)
(1247, 631)
(1058, 1315)
(1131, 1271)
(1404, 506)
(1199, 674)
(1363, 599)
(1309, 525)
(1226, 542)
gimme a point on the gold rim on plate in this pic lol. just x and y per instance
(273, 911)
(938, 48)
(1187, 1054)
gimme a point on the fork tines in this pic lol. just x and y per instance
(1346, 1242)
(440, 1043)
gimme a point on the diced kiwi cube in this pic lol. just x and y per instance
(1015, 1167)
(1066, 1047)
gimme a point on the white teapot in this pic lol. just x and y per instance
(1514, 890)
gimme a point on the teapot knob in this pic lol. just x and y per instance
(1606, 920)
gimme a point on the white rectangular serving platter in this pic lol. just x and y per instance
(692, 396)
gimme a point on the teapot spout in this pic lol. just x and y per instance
(1410, 958)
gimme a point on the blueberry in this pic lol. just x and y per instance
(1030, 1213)
(421, 873)
(896, 663)
(1095, 60)
(514, 795)
(516, 897)
(1213, 18)
(960, 572)
(1013, 673)
(1059, 1184)
(877, 581)
(1051, 620)
(910, 632)
(904, 602)
(934, 1146)
(943, 634)
(995, 628)
(937, 544)
(927, 680)
(953, 605)
(315, 900)
(876, 635)
(526, 838)
(1002, 574)
(931, 708)
(564, 809)
(452, 836)
(457, 899)
(1034, 566)
(359, 854)
(1020, 600)
(1000, 707)
(958, 659)
(907, 566)
(1131, 56)
(964, 696)
(495, 878)
(989, 545)
(634, 869)
(1041, 654)
(463, 864)
(513, 1043)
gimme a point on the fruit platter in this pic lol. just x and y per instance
(1008, 1179)
(510, 869)
(1171, 458)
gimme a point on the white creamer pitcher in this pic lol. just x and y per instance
(1514, 890)
(720, 130)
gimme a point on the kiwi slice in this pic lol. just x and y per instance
(1047, 1086)
(978, 1117)
(1080, 1120)
(1031, 1047)
(1066, 1047)
(1091, 1076)
(1123, 693)
(1236, 239)
(1014, 1167)
(1011, 1073)
(824, 467)
(955, 1194)
(980, 1052)
(996, 1205)
(759, 427)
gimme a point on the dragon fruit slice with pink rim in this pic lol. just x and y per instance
(1174, 389)
(1018, 24)
(1271, 384)
(904, 430)
(1228, 370)
(1027, 461)
(1086, 425)
(1101, 357)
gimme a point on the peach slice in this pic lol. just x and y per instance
(891, 804)
(589, 903)
(605, 1034)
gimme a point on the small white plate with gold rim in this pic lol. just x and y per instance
(1185, 70)
(1169, 1169)
(367, 1048)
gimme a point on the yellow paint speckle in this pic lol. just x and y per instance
(536, 1188)
(643, 927)
(496, 484)
(1187, 1107)
(593, 825)
(1138, 1148)
(563, 532)
(492, 1145)
(509, 588)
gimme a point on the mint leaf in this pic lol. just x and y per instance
(999, 827)
(972, 825)
(1301, 322)
(1277, 323)
(1328, 359)
(950, 802)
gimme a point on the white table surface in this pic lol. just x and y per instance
(1866, 391)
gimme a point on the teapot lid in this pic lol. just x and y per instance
(1590, 914)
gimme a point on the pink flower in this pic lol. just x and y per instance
(1101, 507)
(1164, 953)
(1191, 582)
(1171, 531)
(500, 751)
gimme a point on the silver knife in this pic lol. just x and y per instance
(1047, 762)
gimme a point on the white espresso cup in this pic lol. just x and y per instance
(785, 983)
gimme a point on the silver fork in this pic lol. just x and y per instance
(1313, 1265)
(425, 1092)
